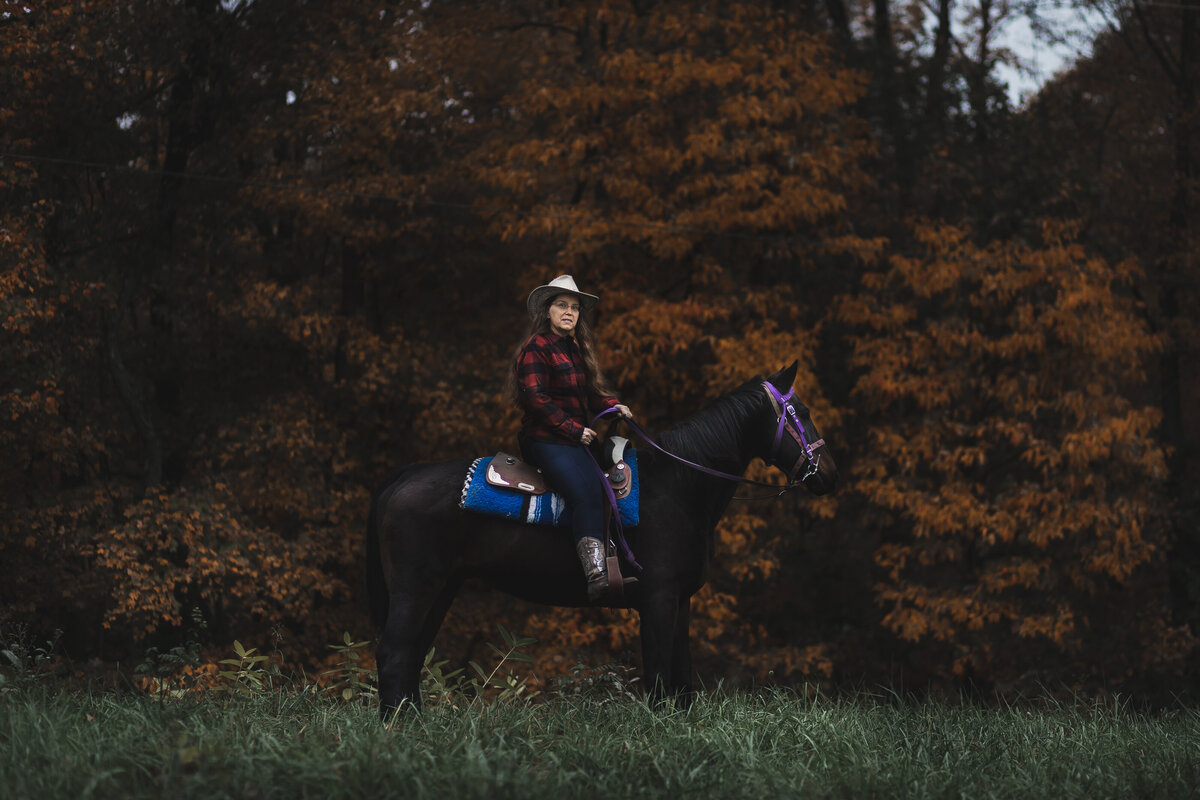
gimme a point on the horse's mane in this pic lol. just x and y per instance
(715, 431)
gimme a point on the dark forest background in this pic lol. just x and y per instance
(256, 255)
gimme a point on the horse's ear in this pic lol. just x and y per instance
(784, 379)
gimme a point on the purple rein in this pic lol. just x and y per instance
(784, 410)
(612, 502)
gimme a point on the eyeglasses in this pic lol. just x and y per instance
(563, 305)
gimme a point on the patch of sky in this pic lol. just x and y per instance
(1044, 39)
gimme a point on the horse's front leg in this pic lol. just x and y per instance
(659, 613)
(681, 654)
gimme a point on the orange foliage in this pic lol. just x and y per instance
(1018, 479)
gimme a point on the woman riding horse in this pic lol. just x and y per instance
(422, 545)
(557, 383)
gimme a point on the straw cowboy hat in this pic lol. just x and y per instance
(563, 284)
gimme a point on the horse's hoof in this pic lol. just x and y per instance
(390, 713)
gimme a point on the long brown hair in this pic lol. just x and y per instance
(583, 338)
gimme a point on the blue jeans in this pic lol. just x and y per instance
(570, 471)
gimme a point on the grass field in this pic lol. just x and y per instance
(291, 744)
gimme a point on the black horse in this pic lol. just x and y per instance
(421, 545)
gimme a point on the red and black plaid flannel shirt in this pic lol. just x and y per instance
(555, 393)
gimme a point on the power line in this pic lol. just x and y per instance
(1060, 4)
(1166, 5)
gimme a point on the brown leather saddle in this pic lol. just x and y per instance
(506, 471)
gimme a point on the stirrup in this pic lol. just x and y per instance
(617, 583)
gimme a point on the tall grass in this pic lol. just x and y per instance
(300, 744)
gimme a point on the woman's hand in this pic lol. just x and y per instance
(589, 436)
(624, 409)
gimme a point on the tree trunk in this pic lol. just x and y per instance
(978, 76)
(153, 458)
(1179, 276)
(351, 306)
(191, 111)
(896, 153)
(1181, 261)
(840, 21)
(935, 96)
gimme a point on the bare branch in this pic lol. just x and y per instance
(1164, 58)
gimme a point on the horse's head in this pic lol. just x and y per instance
(793, 444)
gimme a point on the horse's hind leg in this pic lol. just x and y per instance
(413, 620)
(398, 673)
(433, 620)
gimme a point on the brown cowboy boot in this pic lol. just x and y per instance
(591, 555)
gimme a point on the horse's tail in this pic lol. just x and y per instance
(377, 595)
(377, 592)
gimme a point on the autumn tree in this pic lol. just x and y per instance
(51, 504)
(1012, 472)
(131, 336)
(1114, 146)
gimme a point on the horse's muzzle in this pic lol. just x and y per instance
(823, 480)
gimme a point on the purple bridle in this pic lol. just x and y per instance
(786, 411)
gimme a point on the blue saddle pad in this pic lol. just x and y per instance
(544, 509)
